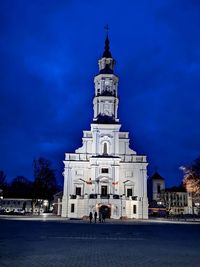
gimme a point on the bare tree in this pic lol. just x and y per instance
(191, 180)
(3, 184)
(2, 179)
(45, 184)
(21, 187)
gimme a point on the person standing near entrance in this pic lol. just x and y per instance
(90, 217)
(100, 217)
(103, 217)
(95, 217)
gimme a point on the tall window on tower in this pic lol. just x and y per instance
(158, 188)
(105, 148)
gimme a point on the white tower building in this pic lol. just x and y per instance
(105, 175)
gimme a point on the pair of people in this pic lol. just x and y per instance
(91, 217)
(102, 217)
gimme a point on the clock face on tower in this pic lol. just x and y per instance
(107, 85)
(107, 110)
(107, 82)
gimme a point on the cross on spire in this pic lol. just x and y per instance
(107, 53)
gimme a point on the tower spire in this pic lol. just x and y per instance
(107, 53)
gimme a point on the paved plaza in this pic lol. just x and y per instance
(76, 244)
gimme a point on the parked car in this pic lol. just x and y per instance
(18, 211)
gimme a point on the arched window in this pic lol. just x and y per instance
(158, 188)
(105, 148)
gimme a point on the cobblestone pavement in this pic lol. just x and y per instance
(62, 243)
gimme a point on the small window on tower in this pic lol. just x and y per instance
(78, 191)
(72, 207)
(104, 170)
(105, 148)
(134, 209)
(158, 188)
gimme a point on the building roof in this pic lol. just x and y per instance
(104, 119)
(157, 176)
(106, 70)
(58, 194)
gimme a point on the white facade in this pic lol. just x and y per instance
(105, 175)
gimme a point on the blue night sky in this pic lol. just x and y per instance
(48, 59)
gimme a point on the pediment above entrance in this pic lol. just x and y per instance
(103, 179)
(128, 183)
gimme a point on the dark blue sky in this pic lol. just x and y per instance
(48, 59)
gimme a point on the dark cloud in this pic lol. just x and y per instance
(49, 52)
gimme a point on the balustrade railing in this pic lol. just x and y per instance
(100, 196)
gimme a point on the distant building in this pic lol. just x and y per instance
(18, 204)
(156, 183)
(174, 200)
(105, 175)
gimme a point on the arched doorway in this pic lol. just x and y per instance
(104, 209)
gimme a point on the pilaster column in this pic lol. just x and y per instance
(117, 179)
(67, 185)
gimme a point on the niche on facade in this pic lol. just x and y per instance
(105, 148)
(103, 180)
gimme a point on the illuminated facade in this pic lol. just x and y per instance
(105, 175)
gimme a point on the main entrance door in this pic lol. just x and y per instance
(105, 210)
(104, 190)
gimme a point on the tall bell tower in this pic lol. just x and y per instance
(106, 89)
